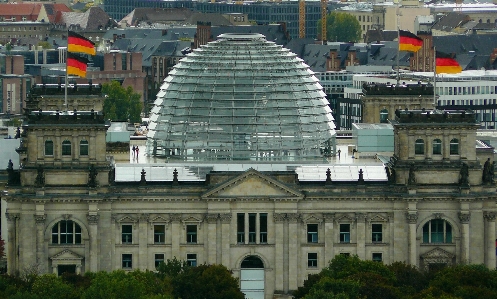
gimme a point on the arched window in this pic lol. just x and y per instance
(66, 232)
(384, 116)
(437, 147)
(66, 148)
(437, 231)
(419, 147)
(83, 148)
(49, 148)
(454, 147)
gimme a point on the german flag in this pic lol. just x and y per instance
(79, 44)
(409, 42)
(76, 65)
(444, 63)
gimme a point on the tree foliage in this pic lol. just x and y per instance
(341, 27)
(121, 103)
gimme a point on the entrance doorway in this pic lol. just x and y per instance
(61, 269)
(252, 278)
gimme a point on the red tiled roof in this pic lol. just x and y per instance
(28, 10)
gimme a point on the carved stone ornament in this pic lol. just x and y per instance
(489, 216)
(329, 216)
(92, 219)
(360, 217)
(211, 218)
(12, 216)
(176, 217)
(438, 215)
(293, 217)
(279, 217)
(412, 217)
(40, 219)
(144, 217)
(464, 217)
(225, 218)
(66, 216)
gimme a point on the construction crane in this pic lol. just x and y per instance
(301, 18)
(324, 6)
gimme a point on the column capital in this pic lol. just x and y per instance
(329, 216)
(211, 218)
(293, 217)
(279, 217)
(360, 217)
(12, 216)
(175, 217)
(464, 217)
(144, 217)
(92, 219)
(412, 218)
(489, 216)
(225, 218)
(40, 219)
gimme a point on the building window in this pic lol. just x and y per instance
(191, 234)
(263, 227)
(384, 116)
(83, 148)
(312, 233)
(127, 261)
(454, 147)
(344, 233)
(66, 232)
(159, 259)
(377, 233)
(127, 233)
(49, 148)
(312, 260)
(159, 234)
(191, 259)
(252, 232)
(437, 231)
(419, 147)
(66, 148)
(437, 147)
(240, 228)
(377, 256)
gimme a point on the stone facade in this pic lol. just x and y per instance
(73, 216)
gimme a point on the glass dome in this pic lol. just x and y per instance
(241, 98)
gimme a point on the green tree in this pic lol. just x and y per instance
(341, 27)
(50, 286)
(121, 103)
(44, 45)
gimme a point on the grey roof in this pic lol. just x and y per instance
(471, 51)
(173, 16)
(374, 35)
(93, 19)
(272, 32)
(450, 21)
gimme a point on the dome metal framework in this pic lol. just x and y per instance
(241, 98)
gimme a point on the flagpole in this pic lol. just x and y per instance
(398, 47)
(66, 77)
(434, 76)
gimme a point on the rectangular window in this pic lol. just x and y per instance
(377, 233)
(127, 233)
(49, 148)
(263, 227)
(191, 234)
(377, 256)
(312, 233)
(191, 259)
(83, 148)
(252, 231)
(240, 228)
(66, 148)
(312, 260)
(127, 261)
(159, 258)
(344, 233)
(159, 234)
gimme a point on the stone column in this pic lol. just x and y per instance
(94, 248)
(177, 238)
(328, 238)
(411, 145)
(361, 235)
(279, 251)
(143, 242)
(40, 241)
(212, 240)
(464, 218)
(12, 258)
(293, 250)
(412, 219)
(490, 239)
(224, 245)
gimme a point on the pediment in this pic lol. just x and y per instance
(437, 255)
(345, 218)
(378, 218)
(159, 219)
(312, 219)
(66, 255)
(252, 184)
(126, 219)
(191, 219)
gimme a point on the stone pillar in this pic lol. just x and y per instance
(94, 249)
(412, 219)
(361, 235)
(12, 258)
(328, 238)
(177, 237)
(490, 239)
(429, 145)
(464, 218)
(212, 240)
(410, 147)
(41, 260)
(293, 250)
(143, 242)
(445, 147)
(225, 220)
(279, 253)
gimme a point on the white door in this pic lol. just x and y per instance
(252, 283)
